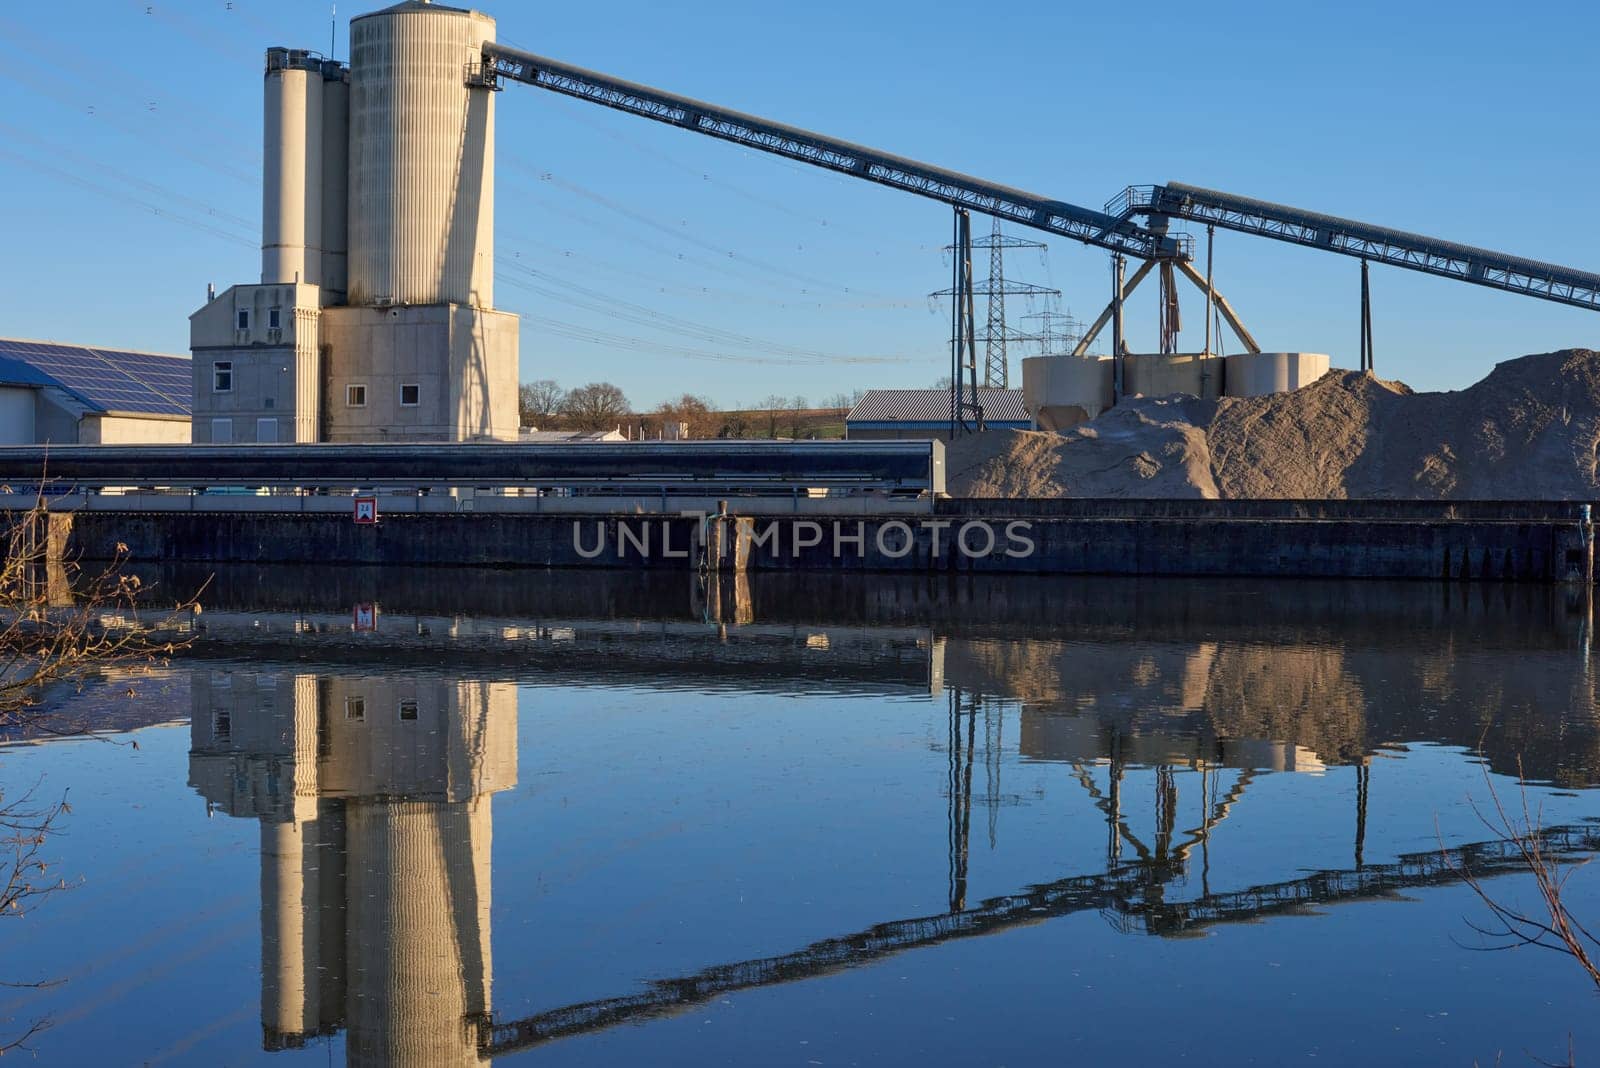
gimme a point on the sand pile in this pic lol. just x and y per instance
(1530, 430)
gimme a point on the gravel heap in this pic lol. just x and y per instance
(1529, 431)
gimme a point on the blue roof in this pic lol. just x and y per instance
(105, 380)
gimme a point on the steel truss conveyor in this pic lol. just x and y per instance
(1379, 244)
(963, 191)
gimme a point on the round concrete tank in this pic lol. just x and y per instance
(335, 181)
(291, 200)
(1063, 391)
(1163, 374)
(421, 199)
(1255, 374)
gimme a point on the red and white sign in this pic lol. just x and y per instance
(364, 617)
(366, 510)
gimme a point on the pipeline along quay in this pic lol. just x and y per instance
(806, 506)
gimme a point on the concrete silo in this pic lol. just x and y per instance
(374, 319)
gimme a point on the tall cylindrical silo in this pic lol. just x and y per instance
(291, 202)
(335, 180)
(421, 201)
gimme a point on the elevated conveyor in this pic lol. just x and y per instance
(830, 153)
(1380, 244)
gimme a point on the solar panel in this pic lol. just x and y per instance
(108, 379)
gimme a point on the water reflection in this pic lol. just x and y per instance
(374, 798)
(370, 758)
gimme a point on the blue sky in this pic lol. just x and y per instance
(663, 261)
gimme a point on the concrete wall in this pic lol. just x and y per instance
(17, 415)
(55, 417)
(97, 429)
(275, 371)
(1349, 546)
(1156, 375)
(462, 360)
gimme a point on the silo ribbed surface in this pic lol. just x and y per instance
(421, 198)
(418, 935)
(291, 201)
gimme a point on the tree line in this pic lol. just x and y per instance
(600, 406)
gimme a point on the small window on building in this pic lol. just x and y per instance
(410, 394)
(244, 319)
(222, 376)
(221, 725)
(408, 709)
(266, 431)
(222, 431)
(355, 396)
(272, 319)
(355, 709)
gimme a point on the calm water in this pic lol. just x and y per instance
(613, 820)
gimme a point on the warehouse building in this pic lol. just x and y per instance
(54, 394)
(897, 414)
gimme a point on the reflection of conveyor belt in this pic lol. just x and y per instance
(1132, 894)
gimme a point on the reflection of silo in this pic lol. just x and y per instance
(418, 934)
(1063, 391)
(421, 193)
(291, 203)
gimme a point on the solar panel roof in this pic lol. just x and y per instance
(108, 380)
(933, 406)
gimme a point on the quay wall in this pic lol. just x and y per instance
(1512, 541)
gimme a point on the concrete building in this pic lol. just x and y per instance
(373, 795)
(81, 395)
(886, 414)
(374, 319)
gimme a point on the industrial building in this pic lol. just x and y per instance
(54, 394)
(885, 414)
(374, 319)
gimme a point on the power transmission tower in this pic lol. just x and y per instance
(997, 336)
(1058, 333)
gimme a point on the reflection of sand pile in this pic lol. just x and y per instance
(1528, 430)
(1289, 693)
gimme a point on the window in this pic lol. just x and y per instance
(221, 725)
(244, 319)
(266, 431)
(408, 709)
(222, 431)
(222, 376)
(410, 394)
(355, 396)
(355, 709)
(272, 319)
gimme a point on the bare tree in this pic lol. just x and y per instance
(698, 414)
(774, 404)
(1509, 927)
(538, 401)
(596, 406)
(798, 406)
(52, 631)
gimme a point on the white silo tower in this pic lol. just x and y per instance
(374, 319)
(420, 353)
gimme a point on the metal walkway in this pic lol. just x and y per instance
(1399, 248)
(1028, 209)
